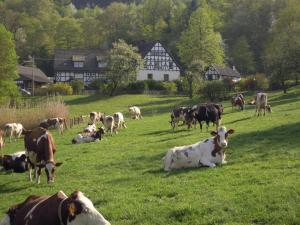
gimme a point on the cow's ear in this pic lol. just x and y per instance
(214, 133)
(58, 164)
(72, 209)
(231, 131)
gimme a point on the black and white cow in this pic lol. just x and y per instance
(209, 113)
(88, 137)
(16, 162)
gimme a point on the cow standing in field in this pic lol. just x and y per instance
(209, 113)
(40, 149)
(239, 101)
(88, 137)
(135, 112)
(261, 101)
(13, 130)
(178, 115)
(95, 116)
(109, 123)
(57, 209)
(16, 162)
(119, 120)
(58, 123)
(204, 153)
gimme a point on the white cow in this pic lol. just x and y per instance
(90, 128)
(261, 101)
(204, 153)
(119, 120)
(135, 112)
(13, 129)
(95, 116)
(109, 123)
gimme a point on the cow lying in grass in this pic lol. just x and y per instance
(16, 162)
(91, 128)
(13, 130)
(204, 153)
(88, 137)
(57, 209)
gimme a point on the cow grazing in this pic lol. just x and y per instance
(40, 149)
(88, 137)
(16, 162)
(181, 114)
(91, 128)
(95, 116)
(57, 209)
(58, 123)
(261, 102)
(204, 153)
(109, 123)
(209, 113)
(13, 130)
(239, 101)
(135, 112)
(119, 120)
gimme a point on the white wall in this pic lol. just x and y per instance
(158, 75)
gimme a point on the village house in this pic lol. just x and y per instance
(90, 64)
(220, 73)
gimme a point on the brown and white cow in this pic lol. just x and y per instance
(119, 120)
(135, 112)
(58, 123)
(13, 130)
(181, 114)
(40, 149)
(238, 100)
(204, 153)
(109, 123)
(261, 101)
(57, 209)
(95, 116)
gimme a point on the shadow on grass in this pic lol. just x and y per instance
(6, 188)
(238, 120)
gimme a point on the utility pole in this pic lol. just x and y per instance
(32, 73)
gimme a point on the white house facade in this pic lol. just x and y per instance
(158, 63)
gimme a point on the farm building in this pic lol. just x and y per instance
(27, 74)
(158, 63)
(219, 73)
(90, 64)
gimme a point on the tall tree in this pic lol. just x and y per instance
(8, 65)
(200, 41)
(123, 64)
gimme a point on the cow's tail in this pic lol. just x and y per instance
(5, 220)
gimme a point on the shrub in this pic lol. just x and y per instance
(60, 88)
(169, 87)
(214, 90)
(31, 112)
(77, 86)
(254, 83)
(137, 87)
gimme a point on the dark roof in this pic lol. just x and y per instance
(144, 47)
(25, 73)
(64, 58)
(223, 71)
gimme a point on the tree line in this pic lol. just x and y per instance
(257, 36)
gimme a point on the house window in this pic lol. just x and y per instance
(150, 76)
(170, 65)
(156, 65)
(102, 64)
(166, 77)
(78, 64)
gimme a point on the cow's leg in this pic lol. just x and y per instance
(30, 172)
(223, 159)
(207, 125)
(38, 172)
(264, 110)
(124, 125)
(207, 163)
(200, 122)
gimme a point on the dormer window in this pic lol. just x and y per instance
(102, 62)
(78, 61)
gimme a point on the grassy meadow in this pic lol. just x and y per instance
(123, 174)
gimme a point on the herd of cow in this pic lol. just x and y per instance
(60, 209)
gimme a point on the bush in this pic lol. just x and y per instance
(60, 88)
(169, 87)
(77, 86)
(254, 83)
(214, 90)
(137, 87)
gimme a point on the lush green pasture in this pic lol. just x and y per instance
(123, 174)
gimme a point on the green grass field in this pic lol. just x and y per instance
(123, 174)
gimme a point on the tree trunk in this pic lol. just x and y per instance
(190, 88)
(113, 89)
(284, 87)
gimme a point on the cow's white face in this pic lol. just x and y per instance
(222, 135)
(88, 213)
(50, 169)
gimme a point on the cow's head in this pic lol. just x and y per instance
(50, 167)
(80, 210)
(222, 135)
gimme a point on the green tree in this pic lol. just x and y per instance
(123, 64)
(282, 54)
(8, 65)
(242, 56)
(200, 41)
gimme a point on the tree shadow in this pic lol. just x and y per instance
(238, 120)
(86, 100)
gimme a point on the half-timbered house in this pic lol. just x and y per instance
(219, 73)
(79, 64)
(158, 63)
